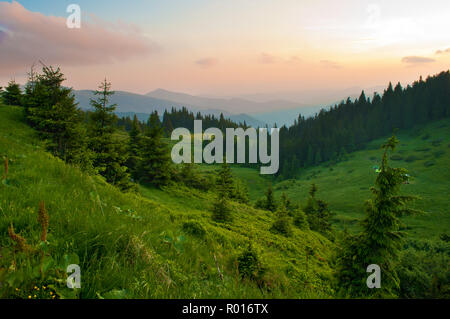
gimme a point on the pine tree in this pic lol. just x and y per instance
(110, 152)
(155, 166)
(240, 193)
(134, 148)
(221, 209)
(270, 203)
(287, 203)
(282, 223)
(12, 94)
(103, 119)
(317, 212)
(300, 219)
(225, 181)
(52, 110)
(381, 238)
(249, 265)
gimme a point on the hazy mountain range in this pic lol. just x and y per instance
(256, 110)
(129, 104)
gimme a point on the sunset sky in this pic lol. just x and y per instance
(228, 47)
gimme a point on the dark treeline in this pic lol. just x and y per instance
(183, 118)
(348, 126)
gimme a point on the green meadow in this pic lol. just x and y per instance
(423, 151)
(155, 244)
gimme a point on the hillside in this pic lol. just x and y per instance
(162, 244)
(423, 150)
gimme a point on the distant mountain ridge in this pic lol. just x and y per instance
(132, 103)
(232, 105)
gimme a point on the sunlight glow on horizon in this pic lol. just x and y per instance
(242, 47)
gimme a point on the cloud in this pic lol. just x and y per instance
(416, 60)
(27, 37)
(443, 51)
(294, 59)
(207, 62)
(266, 58)
(330, 64)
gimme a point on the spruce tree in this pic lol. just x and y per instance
(52, 110)
(300, 219)
(155, 166)
(134, 148)
(381, 238)
(240, 193)
(221, 211)
(317, 212)
(249, 265)
(270, 203)
(12, 94)
(282, 223)
(110, 152)
(225, 181)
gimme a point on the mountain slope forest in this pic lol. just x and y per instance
(85, 188)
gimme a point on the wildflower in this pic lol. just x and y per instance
(29, 297)
(51, 293)
(17, 289)
(21, 243)
(43, 220)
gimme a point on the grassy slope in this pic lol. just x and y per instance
(345, 185)
(137, 256)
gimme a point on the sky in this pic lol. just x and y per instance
(228, 47)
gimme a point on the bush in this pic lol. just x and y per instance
(300, 220)
(396, 157)
(428, 163)
(282, 223)
(249, 265)
(221, 210)
(194, 228)
(423, 271)
(438, 154)
(411, 158)
(436, 142)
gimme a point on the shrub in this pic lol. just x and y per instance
(436, 142)
(411, 158)
(428, 163)
(396, 157)
(249, 265)
(282, 223)
(438, 154)
(194, 228)
(221, 210)
(300, 220)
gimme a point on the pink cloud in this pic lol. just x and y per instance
(416, 60)
(443, 51)
(330, 64)
(207, 62)
(266, 58)
(31, 36)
